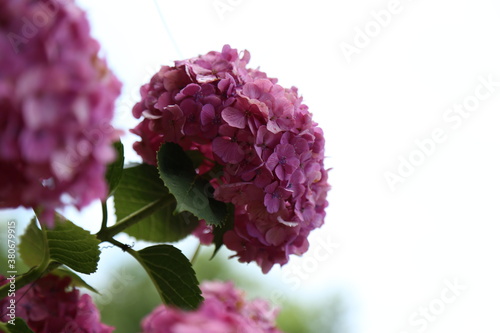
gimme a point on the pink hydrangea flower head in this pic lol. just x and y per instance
(50, 305)
(56, 103)
(224, 310)
(263, 136)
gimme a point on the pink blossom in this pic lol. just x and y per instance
(260, 133)
(283, 161)
(275, 197)
(204, 232)
(210, 121)
(51, 305)
(224, 310)
(56, 103)
(265, 142)
(227, 146)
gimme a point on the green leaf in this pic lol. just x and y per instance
(115, 169)
(67, 244)
(76, 280)
(19, 327)
(220, 231)
(140, 186)
(193, 194)
(196, 157)
(32, 245)
(73, 246)
(172, 275)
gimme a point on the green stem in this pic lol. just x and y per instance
(104, 206)
(108, 232)
(105, 235)
(124, 247)
(195, 255)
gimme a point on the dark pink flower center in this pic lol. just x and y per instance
(217, 120)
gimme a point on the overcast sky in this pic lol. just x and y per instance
(408, 93)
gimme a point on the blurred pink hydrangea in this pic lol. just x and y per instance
(56, 103)
(50, 305)
(264, 137)
(224, 310)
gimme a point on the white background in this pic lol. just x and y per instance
(395, 248)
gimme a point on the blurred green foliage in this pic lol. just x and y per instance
(130, 296)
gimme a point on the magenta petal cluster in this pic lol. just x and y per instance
(50, 305)
(56, 103)
(224, 310)
(262, 134)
